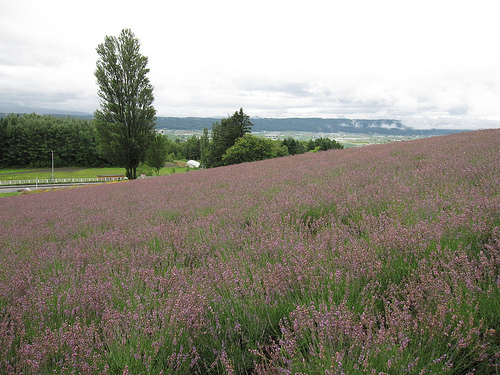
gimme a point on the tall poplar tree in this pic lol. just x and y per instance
(126, 121)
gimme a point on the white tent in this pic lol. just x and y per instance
(193, 164)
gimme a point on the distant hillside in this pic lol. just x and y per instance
(316, 125)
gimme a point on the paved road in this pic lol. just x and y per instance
(13, 189)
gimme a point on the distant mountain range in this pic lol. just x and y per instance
(313, 125)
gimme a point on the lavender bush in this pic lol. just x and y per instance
(379, 260)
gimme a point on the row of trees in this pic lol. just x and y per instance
(30, 139)
(232, 143)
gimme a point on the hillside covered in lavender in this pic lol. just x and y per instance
(383, 259)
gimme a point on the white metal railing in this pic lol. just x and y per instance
(60, 180)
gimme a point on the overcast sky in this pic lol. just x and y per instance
(413, 60)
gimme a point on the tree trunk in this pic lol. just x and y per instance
(128, 172)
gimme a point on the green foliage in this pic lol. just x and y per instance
(27, 141)
(125, 124)
(8, 194)
(252, 148)
(294, 146)
(323, 144)
(157, 153)
(230, 144)
(147, 170)
(192, 148)
(224, 135)
(204, 147)
(3, 138)
(174, 149)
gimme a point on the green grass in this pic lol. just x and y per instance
(32, 174)
(8, 194)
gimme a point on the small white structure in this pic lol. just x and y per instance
(193, 164)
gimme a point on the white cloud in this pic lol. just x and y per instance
(274, 58)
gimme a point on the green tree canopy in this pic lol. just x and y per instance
(126, 121)
(192, 148)
(224, 135)
(157, 153)
(252, 148)
(323, 144)
(294, 146)
(204, 147)
(29, 139)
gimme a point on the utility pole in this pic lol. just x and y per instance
(52, 166)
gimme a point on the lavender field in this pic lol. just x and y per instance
(379, 260)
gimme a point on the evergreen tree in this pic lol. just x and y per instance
(192, 148)
(224, 135)
(294, 146)
(204, 147)
(29, 139)
(3, 141)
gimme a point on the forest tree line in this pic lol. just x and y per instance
(28, 140)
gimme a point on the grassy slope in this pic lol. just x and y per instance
(381, 259)
(31, 174)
